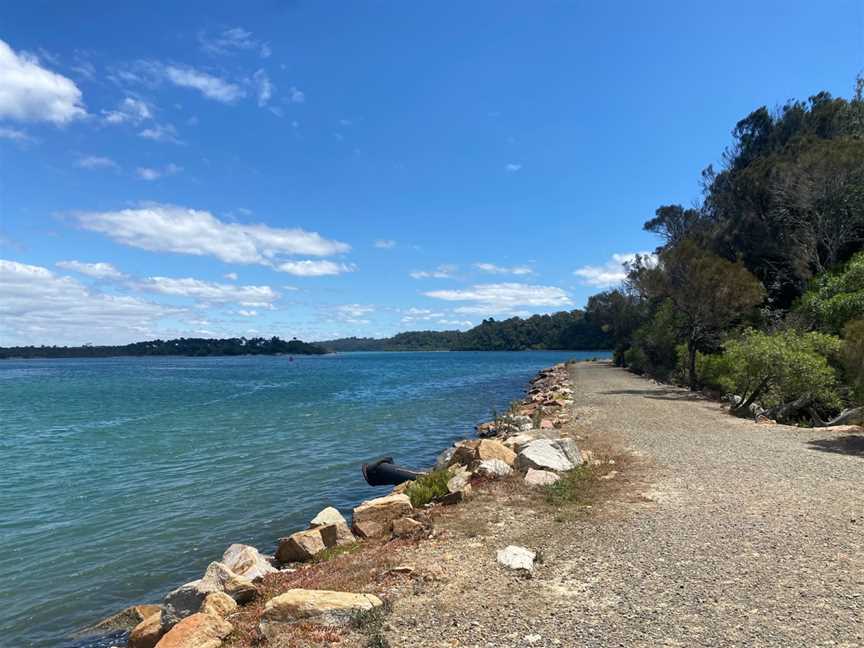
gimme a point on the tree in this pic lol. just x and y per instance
(709, 295)
(835, 298)
(673, 223)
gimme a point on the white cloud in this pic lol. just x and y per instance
(295, 95)
(170, 228)
(352, 313)
(30, 92)
(265, 51)
(208, 85)
(160, 133)
(385, 244)
(264, 87)
(309, 268)
(612, 273)
(247, 313)
(230, 41)
(441, 272)
(503, 297)
(491, 268)
(512, 168)
(15, 135)
(231, 276)
(99, 270)
(206, 291)
(96, 162)
(147, 173)
(456, 323)
(128, 111)
(40, 307)
(420, 315)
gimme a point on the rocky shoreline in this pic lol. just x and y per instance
(524, 444)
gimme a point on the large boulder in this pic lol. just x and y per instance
(491, 449)
(218, 604)
(330, 516)
(464, 453)
(543, 454)
(197, 631)
(187, 599)
(570, 450)
(317, 606)
(147, 633)
(383, 510)
(304, 545)
(519, 441)
(247, 561)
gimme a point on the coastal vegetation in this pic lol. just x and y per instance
(179, 347)
(758, 291)
(565, 330)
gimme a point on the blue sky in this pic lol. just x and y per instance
(323, 169)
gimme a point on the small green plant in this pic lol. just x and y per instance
(333, 552)
(427, 487)
(371, 623)
(572, 487)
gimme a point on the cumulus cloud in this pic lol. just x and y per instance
(208, 85)
(40, 307)
(147, 173)
(353, 313)
(30, 92)
(99, 270)
(412, 315)
(385, 244)
(206, 291)
(457, 323)
(504, 297)
(230, 276)
(491, 268)
(15, 135)
(441, 272)
(129, 111)
(612, 273)
(247, 313)
(170, 228)
(96, 162)
(309, 268)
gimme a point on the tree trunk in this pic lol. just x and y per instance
(854, 416)
(782, 412)
(744, 406)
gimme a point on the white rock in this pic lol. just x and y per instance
(540, 477)
(515, 557)
(247, 561)
(543, 454)
(494, 468)
(570, 450)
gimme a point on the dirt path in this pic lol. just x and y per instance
(720, 533)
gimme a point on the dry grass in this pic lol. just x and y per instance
(364, 569)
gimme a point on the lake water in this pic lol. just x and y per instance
(122, 478)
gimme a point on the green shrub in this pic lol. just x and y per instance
(835, 298)
(853, 358)
(572, 488)
(426, 488)
(778, 368)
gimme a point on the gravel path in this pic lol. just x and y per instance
(721, 533)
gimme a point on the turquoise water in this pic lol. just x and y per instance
(122, 478)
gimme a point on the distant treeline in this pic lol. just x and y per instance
(564, 330)
(180, 347)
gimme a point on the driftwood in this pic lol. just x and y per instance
(853, 416)
(783, 412)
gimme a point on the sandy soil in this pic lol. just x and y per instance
(716, 532)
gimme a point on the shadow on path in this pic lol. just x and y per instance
(851, 444)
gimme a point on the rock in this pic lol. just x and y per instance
(463, 453)
(218, 604)
(383, 510)
(570, 450)
(488, 429)
(404, 527)
(546, 424)
(370, 529)
(197, 631)
(147, 633)
(443, 460)
(455, 497)
(519, 441)
(494, 468)
(458, 481)
(540, 477)
(303, 545)
(124, 620)
(330, 516)
(543, 454)
(318, 606)
(187, 599)
(490, 449)
(515, 557)
(247, 561)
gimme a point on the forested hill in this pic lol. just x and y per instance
(564, 330)
(179, 347)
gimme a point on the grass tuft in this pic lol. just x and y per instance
(333, 552)
(573, 487)
(426, 488)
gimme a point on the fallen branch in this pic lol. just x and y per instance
(852, 416)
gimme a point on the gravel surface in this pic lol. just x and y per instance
(717, 532)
